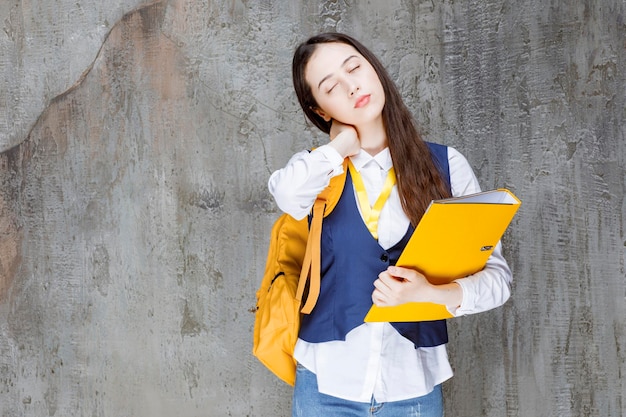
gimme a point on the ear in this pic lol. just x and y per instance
(322, 114)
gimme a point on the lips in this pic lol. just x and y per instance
(362, 101)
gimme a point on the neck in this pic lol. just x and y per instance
(373, 137)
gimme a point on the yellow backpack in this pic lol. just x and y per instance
(294, 251)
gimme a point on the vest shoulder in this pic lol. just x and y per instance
(436, 146)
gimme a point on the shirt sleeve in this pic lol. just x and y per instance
(296, 186)
(491, 287)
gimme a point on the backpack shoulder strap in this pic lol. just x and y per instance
(332, 192)
(323, 206)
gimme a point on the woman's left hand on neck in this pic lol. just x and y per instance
(344, 139)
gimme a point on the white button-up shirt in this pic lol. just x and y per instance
(375, 360)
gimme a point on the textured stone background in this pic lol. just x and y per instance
(137, 139)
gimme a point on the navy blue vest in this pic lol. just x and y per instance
(351, 262)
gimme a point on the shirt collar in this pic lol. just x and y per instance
(383, 159)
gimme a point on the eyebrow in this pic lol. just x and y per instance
(345, 61)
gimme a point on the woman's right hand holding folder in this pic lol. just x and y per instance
(398, 285)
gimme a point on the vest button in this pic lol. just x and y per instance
(384, 257)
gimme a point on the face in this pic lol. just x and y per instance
(344, 85)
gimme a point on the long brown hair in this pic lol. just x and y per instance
(418, 177)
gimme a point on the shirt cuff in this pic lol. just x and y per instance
(468, 303)
(332, 156)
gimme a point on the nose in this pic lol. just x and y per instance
(353, 89)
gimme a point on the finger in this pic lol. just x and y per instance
(386, 282)
(378, 298)
(401, 273)
(381, 286)
(375, 297)
(391, 281)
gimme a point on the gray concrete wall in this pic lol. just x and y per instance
(137, 139)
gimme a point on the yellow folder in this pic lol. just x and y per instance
(454, 239)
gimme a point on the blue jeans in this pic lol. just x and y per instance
(308, 402)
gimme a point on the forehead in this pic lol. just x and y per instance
(327, 58)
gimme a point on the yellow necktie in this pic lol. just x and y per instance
(371, 213)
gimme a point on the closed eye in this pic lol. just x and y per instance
(354, 69)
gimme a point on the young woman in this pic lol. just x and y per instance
(345, 366)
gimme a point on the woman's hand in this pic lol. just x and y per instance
(399, 285)
(344, 139)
